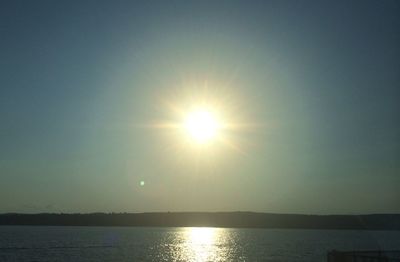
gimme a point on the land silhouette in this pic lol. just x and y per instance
(209, 219)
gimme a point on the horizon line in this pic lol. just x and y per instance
(194, 212)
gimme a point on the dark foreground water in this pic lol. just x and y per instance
(28, 243)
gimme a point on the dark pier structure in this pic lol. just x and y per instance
(364, 256)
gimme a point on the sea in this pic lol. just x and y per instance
(59, 243)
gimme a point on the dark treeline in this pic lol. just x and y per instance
(217, 219)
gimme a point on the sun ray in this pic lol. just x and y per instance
(204, 119)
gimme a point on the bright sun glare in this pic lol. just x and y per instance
(201, 119)
(201, 126)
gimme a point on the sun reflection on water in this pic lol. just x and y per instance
(201, 244)
(198, 244)
(201, 235)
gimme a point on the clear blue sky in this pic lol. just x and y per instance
(81, 81)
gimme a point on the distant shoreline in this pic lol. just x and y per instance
(209, 219)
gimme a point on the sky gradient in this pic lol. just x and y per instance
(315, 83)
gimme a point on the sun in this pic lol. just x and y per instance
(202, 120)
(202, 126)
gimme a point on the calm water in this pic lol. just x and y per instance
(26, 243)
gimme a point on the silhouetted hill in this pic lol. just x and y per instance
(209, 219)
